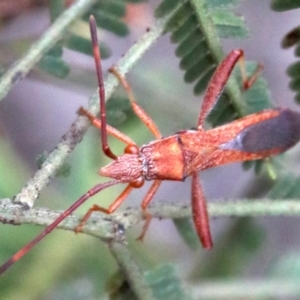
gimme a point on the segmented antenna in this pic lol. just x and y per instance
(53, 225)
(97, 56)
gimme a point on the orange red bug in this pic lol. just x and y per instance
(183, 154)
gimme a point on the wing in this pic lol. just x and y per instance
(256, 136)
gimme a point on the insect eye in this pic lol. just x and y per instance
(138, 182)
(132, 149)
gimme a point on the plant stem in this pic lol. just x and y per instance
(20, 69)
(103, 226)
(281, 288)
(131, 271)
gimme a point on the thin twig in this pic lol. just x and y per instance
(30, 192)
(20, 69)
(103, 226)
(132, 272)
(282, 288)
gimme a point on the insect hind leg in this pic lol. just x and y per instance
(220, 78)
(248, 81)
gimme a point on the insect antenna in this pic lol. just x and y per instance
(97, 56)
(53, 225)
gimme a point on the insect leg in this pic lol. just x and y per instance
(97, 56)
(110, 130)
(145, 118)
(108, 210)
(248, 81)
(200, 214)
(149, 196)
(219, 80)
(217, 84)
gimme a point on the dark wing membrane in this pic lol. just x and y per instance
(280, 132)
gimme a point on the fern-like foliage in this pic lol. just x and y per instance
(291, 39)
(286, 186)
(283, 5)
(197, 28)
(108, 14)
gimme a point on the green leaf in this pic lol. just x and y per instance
(297, 98)
(192, 56)
(222, 4)
(165, 284)
(181, 32)
(108, 14)
(163, 280)
(83, 45)
(202, 83)
(112, 23)
(56, 51)
(191, 41)
(234, 250)
(291, 38)
(116, 8)
(187, 232)
(199, 68)
(118, 110)
(287, 185)
(181, 14)
(257, 96)
(283, 5)
(247, 165)
(229, 25)
(294, 84)
(54, 66)
(257, 164)
(166, 7)
(223, 112)
(56, 7)
(80, 44)
(294, 69)
(297, 50)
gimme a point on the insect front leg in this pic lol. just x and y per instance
(107, 211)
(122, 137)
(114, 206)
(110, 130)
(144, 117)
